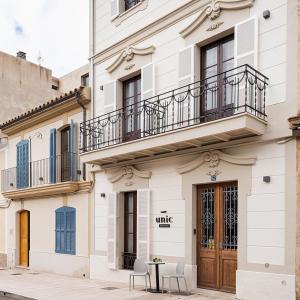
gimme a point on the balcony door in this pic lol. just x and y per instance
(217, 225)
(22, 164)
(65, 155)
(217, 61)
(131, 97)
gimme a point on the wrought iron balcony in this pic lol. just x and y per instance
(52, 170)
(235, 92)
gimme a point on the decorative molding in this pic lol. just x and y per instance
(213, 11)
(214, 26)
(128, 55)
(213, 159)
(5, 203)
(128, 172)
(142, 5)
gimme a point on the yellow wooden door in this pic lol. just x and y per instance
(24, 238)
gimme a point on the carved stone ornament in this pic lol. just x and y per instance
(128, 172)
(214, 26)
(213, 158)
(213, 11)
(128, 55)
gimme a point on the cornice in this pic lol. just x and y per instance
(213, 158)
(128, 172)
(213, 11)
(48, 190)
(128, 55)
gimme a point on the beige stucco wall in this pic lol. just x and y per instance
(73, 79)
(23, 85)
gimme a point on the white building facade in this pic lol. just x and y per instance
(189, 145)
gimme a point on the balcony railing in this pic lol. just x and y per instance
(55, 169)
(128, 260)
(239, 90)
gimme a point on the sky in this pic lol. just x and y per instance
(53, 33)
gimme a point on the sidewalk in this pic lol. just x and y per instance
(44, 286)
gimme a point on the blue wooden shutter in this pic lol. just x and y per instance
(73, 162)
(23, 164)
(70, 230)
(53, 155)
(60, 230)
(65, 230)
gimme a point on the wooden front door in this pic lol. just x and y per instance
(217, 224)
(24, 238)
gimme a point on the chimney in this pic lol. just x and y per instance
(21, 54)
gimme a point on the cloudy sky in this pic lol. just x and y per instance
(55, 30)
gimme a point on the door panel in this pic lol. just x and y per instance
(217, 236)
(24, 238)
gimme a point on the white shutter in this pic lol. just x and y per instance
(114, 8)
(112, 230)
(246, 42)
(110, 96)
(148, 81)
(245, 52)
(143, 224)
(188, 73)
(148, 91)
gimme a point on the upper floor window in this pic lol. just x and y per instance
(130, 3)
(85, 80)
(65, 230)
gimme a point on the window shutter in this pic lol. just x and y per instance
(53, 155)
(112, 230)
(59, 231)
(148, 81)
(110, 94)
(73, 162)
(70, 231)
(23, 164)
(246, 42)
(114, 8)
(143, 224)
(188, 73)
(65, 230)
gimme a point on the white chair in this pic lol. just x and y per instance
(179, 275)
(140, 269)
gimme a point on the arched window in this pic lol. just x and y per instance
(65, 230)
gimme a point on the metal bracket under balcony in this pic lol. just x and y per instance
(225, 107)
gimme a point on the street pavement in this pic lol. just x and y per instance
(44, 286)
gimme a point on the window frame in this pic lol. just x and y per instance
(63, 212)
(127, 214)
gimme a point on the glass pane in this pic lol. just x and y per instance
(130, 207)
(230, 213)
(208, 218)
(228, 50)
(211, 88)
(130, 243)
(228, 65)
(130, 224)
(211, 57)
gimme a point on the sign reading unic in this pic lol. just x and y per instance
(165, 221)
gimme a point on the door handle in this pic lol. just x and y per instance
(220, 245)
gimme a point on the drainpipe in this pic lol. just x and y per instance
(77, 95)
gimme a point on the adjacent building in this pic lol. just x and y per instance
(189, 144)
(38, 141)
